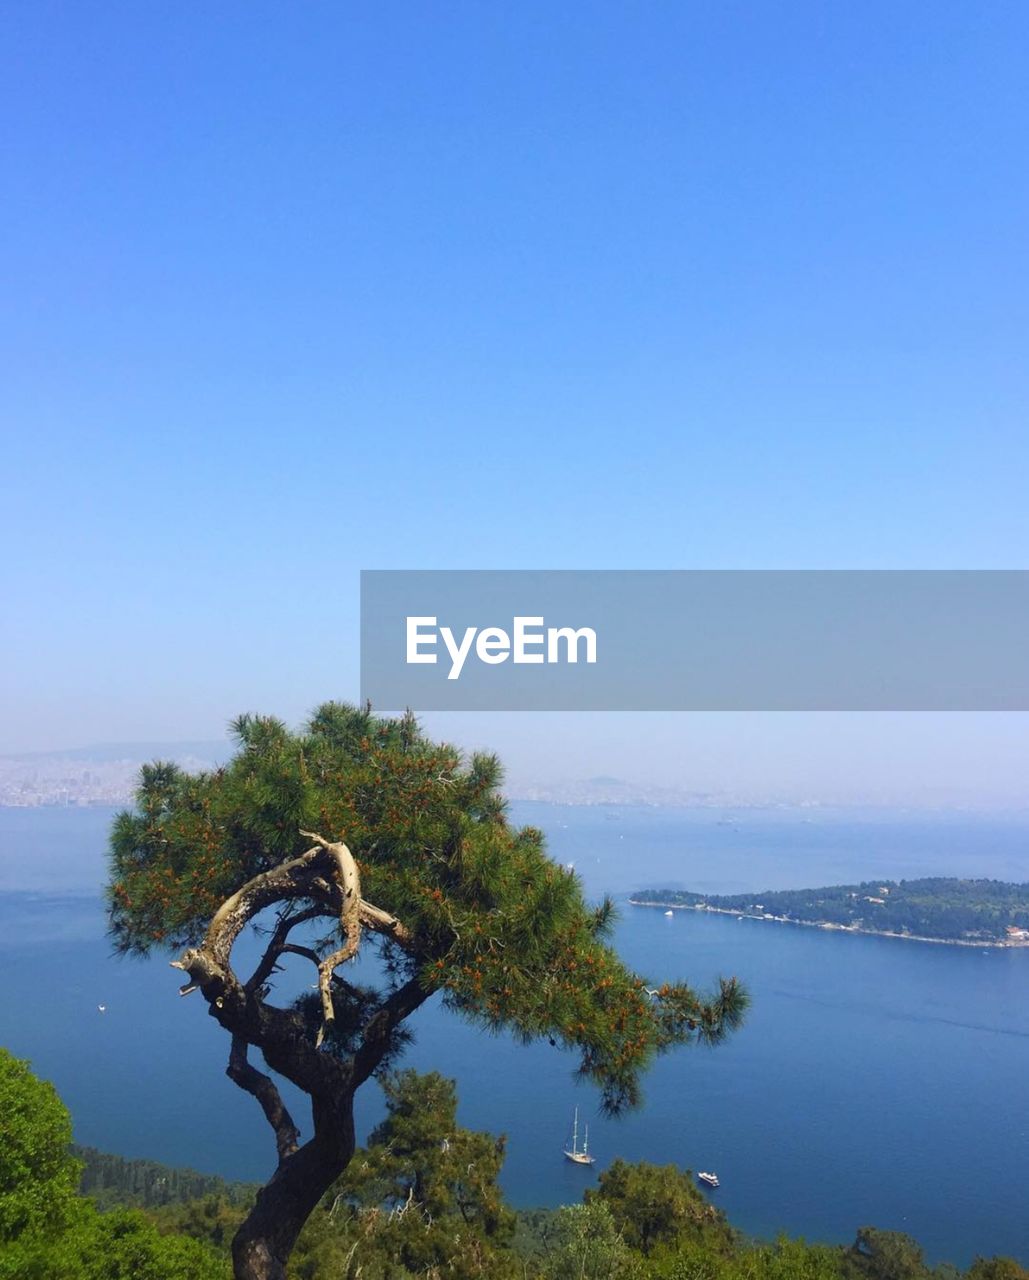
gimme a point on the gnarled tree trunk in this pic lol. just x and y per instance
(263, 1244)
(326, 879)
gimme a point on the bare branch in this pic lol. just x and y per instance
(348, 879)
(382, 922)
(307, 952)
(255, 1082)
(282, 883)
(278, 944)
(327, 874)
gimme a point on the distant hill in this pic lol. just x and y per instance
(145, 1184)
(607, 790)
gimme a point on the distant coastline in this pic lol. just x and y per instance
(833, 928)
(945, 911)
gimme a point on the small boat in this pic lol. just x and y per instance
(669, 913)
(575, 1155)
(710, 1178)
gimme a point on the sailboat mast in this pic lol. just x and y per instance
(586, 1142)
(575, 1132)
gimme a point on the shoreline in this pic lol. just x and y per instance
(829, 927)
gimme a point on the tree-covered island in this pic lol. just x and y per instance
(934, 909)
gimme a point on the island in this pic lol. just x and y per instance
(979, 913)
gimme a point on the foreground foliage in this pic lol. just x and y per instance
(38, 1175)
(47, 1231)
(421, 1200)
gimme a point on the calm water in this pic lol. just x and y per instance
(876, 1081)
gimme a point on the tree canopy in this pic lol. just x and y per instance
(490, 921)
(658, 1206)
(422, 1198)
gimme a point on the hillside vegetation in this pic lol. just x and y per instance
(422, 1199)
(940, 908)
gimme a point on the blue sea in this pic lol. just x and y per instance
(875, 1082)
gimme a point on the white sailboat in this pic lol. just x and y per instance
(575, 1155)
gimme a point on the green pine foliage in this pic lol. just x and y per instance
(499, 929)
(420, 1155)
(422, 1199)
(659, 1206)
(583, 1242)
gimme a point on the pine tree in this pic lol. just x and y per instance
(367, 833)
(422, 1199)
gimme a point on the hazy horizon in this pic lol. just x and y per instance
(931, 760)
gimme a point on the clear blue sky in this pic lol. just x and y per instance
(294, 290)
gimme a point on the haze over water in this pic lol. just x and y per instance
(876, 1081)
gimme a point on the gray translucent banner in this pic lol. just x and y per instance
(739, 640)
